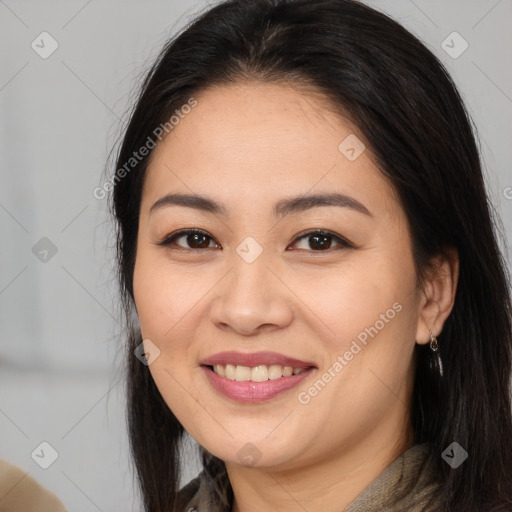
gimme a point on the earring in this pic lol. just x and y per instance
(435, 361)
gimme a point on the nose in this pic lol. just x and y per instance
(251, 299)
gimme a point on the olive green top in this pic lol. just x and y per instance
(405, 485)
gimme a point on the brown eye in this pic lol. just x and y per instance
(194, 239)
(319, 241)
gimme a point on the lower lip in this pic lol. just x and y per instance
(249, 391)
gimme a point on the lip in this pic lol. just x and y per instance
(255, 359)
(251, 392)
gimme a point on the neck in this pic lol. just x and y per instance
(326, 485)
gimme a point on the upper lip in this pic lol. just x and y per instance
(254, 359)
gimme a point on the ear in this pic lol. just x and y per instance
(438, 295)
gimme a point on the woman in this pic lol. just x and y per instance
(305, 238)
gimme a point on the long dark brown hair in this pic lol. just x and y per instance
(412, 117)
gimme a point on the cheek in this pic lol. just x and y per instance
(152, 302)
(347, 299)
(165, 303)
(163, 295)
(370, 309)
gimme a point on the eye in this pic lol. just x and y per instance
(321, 240)
(196, 239)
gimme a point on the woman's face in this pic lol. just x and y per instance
(255, 281)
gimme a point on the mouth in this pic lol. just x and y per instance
(260, 373)
(254, 384)
(256, 359)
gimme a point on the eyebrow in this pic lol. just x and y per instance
(281, 208)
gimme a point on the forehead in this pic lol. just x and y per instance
(252, 141)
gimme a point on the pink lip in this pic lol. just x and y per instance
(250, 392)
(255, 359)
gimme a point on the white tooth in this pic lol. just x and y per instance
(287, 371)
(230, 372)
(259, 373)
(243, 373)
(275, 371)
(219, 369)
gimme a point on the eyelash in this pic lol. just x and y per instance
(345, 244)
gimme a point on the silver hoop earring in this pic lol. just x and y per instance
(435, 361)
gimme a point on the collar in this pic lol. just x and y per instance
(406, 485)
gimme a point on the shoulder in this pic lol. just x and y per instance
(22, 493)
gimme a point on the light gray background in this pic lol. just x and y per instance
(60, 355)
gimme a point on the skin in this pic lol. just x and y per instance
(249, 145)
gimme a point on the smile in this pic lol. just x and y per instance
(254, 384)
(259, 373)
